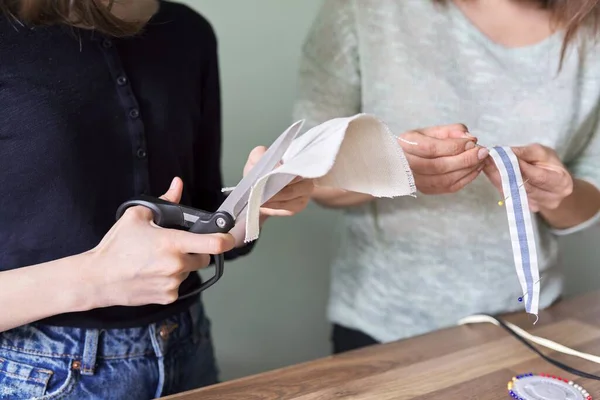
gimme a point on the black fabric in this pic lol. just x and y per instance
(89, 122)
(346, 339)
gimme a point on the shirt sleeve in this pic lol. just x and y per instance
(585, 165)
(329, 84)
(208, 182)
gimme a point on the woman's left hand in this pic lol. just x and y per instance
(291, 200)
(547, 181)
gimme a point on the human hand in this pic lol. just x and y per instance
(547, 181)
(291, 200)
(444, 159)
(139, 263)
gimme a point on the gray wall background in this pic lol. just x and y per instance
(268, 311)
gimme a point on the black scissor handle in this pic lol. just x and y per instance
(176, 216)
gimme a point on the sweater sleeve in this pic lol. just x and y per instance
(585, 166)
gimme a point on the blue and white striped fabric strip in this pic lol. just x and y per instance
(520, 224)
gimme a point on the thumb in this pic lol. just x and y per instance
(175, 190)
(254, 156)
(531, 153)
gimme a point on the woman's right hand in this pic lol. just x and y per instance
(443, 159)
(139, 263)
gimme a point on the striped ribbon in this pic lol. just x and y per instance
(521, 228)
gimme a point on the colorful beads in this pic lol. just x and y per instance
(513, 387)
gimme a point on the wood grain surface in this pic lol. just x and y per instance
(464, 362)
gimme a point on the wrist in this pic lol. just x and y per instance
(87, 280)
(73, 286)
(580, 206)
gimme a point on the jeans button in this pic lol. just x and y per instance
(141, 153)
(122, 81)
(134, 113)
(164, 333)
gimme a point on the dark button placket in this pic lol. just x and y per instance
(131, 109)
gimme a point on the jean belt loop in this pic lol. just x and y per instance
(90, 351)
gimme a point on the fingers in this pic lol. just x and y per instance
(194, 262)
(447, 183)
(297, 188)
(468, 159)
(256, 154)
(533, 153)
(554, 180)
(452, 131)
(193, 243)
(285, 208)
(428, 147)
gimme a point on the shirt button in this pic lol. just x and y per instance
(134, 113)
(141, 153)
(107, 44)
(121, 81)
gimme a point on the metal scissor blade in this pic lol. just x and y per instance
(238, 198)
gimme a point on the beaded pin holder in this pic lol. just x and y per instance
(545, 387)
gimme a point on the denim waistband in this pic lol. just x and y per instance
(86, 346)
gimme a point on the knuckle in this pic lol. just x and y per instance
(455, 187)
(447, 182)
(437, 166)
(541, 179)
(470, 159)
(457, 147)
(459, 127)
(173, 267)
(431, 149)
(538, 149)
(215, 245)
(172, 285)
(169, 298)
(164, 244)
(134, 214)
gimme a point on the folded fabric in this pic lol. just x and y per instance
(357, 154)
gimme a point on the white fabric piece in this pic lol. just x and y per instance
(520, 225)
(357, 153)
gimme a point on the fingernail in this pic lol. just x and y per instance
(483, 153)
(461, 133)
(469, 136)
(480, 168)
(469, 146)
(173, 184)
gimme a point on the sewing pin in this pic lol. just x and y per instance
(407, 141)
(501, 202)
(521, 298)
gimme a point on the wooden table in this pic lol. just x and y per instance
(465, 362)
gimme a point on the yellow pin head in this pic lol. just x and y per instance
(501, 203)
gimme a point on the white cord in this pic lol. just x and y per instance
(475, 319)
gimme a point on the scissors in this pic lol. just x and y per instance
(176, 216)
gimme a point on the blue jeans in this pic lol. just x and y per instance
(45, 362)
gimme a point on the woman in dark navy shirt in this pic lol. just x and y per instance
(91, 118)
